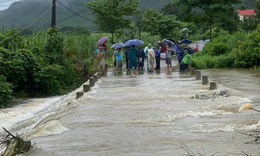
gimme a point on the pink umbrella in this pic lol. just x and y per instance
(102, 40)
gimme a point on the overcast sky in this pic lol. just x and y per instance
(4, 4)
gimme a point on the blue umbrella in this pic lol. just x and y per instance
(186, 41)
(118, 45)
(133, 42)
(173, 46)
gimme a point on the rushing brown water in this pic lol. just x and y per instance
(148, 114)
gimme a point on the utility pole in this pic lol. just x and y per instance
(53, 15)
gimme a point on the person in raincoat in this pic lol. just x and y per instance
(140, 57)
(149, 65)
(132, 57)
(100, 55)
(151, 56)
(119, 59)
(185, 61)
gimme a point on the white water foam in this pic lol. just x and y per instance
(201, 113)
(212, 128)
(11, 116)
(53, 127)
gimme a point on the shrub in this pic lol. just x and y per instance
(215, 49)
(49, 79)
(207, 61)
(54, 47)
(248, 52)
(6, 92)
(19, 67)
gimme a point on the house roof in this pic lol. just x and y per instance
(247, 12)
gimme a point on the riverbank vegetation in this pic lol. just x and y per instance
(38, 63)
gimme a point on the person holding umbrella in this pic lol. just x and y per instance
(100, 53)
(102, 42)
(132, 57)
(118, 56)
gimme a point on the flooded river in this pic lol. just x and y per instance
(149, 114)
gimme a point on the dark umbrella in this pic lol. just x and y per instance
(118, 45)
(186, 41)
(171, 40)
(133, 42)
(102, 40)
(173, 46)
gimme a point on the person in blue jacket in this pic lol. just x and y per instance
(158, 57)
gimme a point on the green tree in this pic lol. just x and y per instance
(109, 14)
(138, 19)
(157, 23)
(206, 11)
(171, 9)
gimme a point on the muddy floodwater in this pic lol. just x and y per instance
(151, 114)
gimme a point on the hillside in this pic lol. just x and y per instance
(22, 13)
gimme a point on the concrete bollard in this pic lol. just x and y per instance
(79, 94)
(198, 75)
(95, 78)
(104, 73)
(193, 71)
(91, 82)
(212, 85)
(205, 80)
(189, 68)
(105, 69)
(86, 88)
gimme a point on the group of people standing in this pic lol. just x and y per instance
(135, 57)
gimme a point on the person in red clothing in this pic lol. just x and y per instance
(196, 49)
(163, 48)
(105, 48)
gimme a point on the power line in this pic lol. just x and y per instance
(83, 8)
(28, 25)
(7, 1)
(4, 5)
(75, 12)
